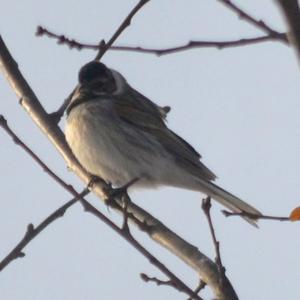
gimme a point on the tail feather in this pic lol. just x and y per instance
(230, 201)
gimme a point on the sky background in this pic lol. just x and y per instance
(238, 107)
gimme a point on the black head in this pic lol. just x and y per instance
(97, 76)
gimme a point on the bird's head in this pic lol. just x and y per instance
(97, 79)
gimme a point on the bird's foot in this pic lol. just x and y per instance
(94, 180)
(121, 192)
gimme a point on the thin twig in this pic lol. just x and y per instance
(89, 208)
(206, 206)
(197, 44)
(199, 288)
(146, 278)
(105, 46)
(257, 23)
(160, 282)
(32, 231)
(73, 44)
(254, 216)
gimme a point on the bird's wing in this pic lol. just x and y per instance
(143, 114)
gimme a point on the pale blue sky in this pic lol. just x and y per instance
(239, 107)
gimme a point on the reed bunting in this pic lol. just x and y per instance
(118, 134)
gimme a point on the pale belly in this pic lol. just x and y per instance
(108, 149)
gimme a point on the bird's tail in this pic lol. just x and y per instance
(230, 201)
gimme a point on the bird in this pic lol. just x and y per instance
(119, 135)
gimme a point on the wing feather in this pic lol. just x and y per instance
(143, 114)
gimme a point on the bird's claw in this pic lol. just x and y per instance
(121, 192)
(93, 180)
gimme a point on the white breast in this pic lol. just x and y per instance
(109, 148)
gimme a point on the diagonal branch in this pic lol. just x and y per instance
(257, 23)
(32, 231)
(205, 267)
(121, 28)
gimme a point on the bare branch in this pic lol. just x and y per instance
(160, 282)
(257, 23)
(73, 44)
(146, 278)
(32, 231)
(198, 44)
(199, 288)
(191, 255)
(206, 206)
(254, 216)
(291, 11)
(105, 46)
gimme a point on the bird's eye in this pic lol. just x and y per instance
(92, 71)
